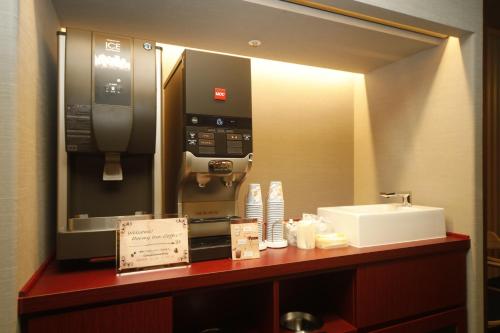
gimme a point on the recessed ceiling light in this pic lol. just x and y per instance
(255, 43)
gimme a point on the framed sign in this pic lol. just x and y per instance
(151, 244)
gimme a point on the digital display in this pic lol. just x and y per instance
(225, 122)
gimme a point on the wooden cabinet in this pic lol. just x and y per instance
(404, 288)
(152, 315)
(415, 287)
(452, 321)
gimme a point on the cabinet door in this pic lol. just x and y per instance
(409, 287)
(153, 315)
(453, 321)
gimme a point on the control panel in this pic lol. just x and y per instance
(218, 136)
(109, 93)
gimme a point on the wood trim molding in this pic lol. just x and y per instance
(368, 18)
(491, 124)
(36, 276)
(457, 235)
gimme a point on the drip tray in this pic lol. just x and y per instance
(209, 248)
(205, 242)
(213, 219)
(102, 223)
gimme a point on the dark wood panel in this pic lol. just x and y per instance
(491, 135)
(491, 130)
(403, 288)
(453, 321)
(154, 315)
(276, 306)
(324, 294)
(60, 287)
(242, 308)
(492, 14)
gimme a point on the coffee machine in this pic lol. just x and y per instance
(109, 139)
(207, 146)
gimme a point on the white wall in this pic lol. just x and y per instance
(303, 134)
(439, 144)
(418, 128)
(462, 14)
(27, 133)
(451, 113)
(8, 231)
(36, 134)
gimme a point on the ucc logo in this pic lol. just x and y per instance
(220, 94)
(113, 45)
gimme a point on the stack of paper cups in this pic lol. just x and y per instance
(275, 216)
(255, 209)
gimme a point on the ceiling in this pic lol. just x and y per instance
(288, 32)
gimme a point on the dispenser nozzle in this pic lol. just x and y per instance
(112, 167)
(228, 181)
(202, 180)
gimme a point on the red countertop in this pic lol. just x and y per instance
(61, 286)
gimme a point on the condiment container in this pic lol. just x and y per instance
(306, 235)
(331, 241)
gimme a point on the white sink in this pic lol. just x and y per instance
(371, 225)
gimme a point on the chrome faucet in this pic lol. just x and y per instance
(405, 196)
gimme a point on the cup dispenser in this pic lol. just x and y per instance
(207, 146)
(109, 130)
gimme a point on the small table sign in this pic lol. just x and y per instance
(244, 239)
(151, 244)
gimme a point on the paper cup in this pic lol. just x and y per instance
(275, 191)
(254, 194)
